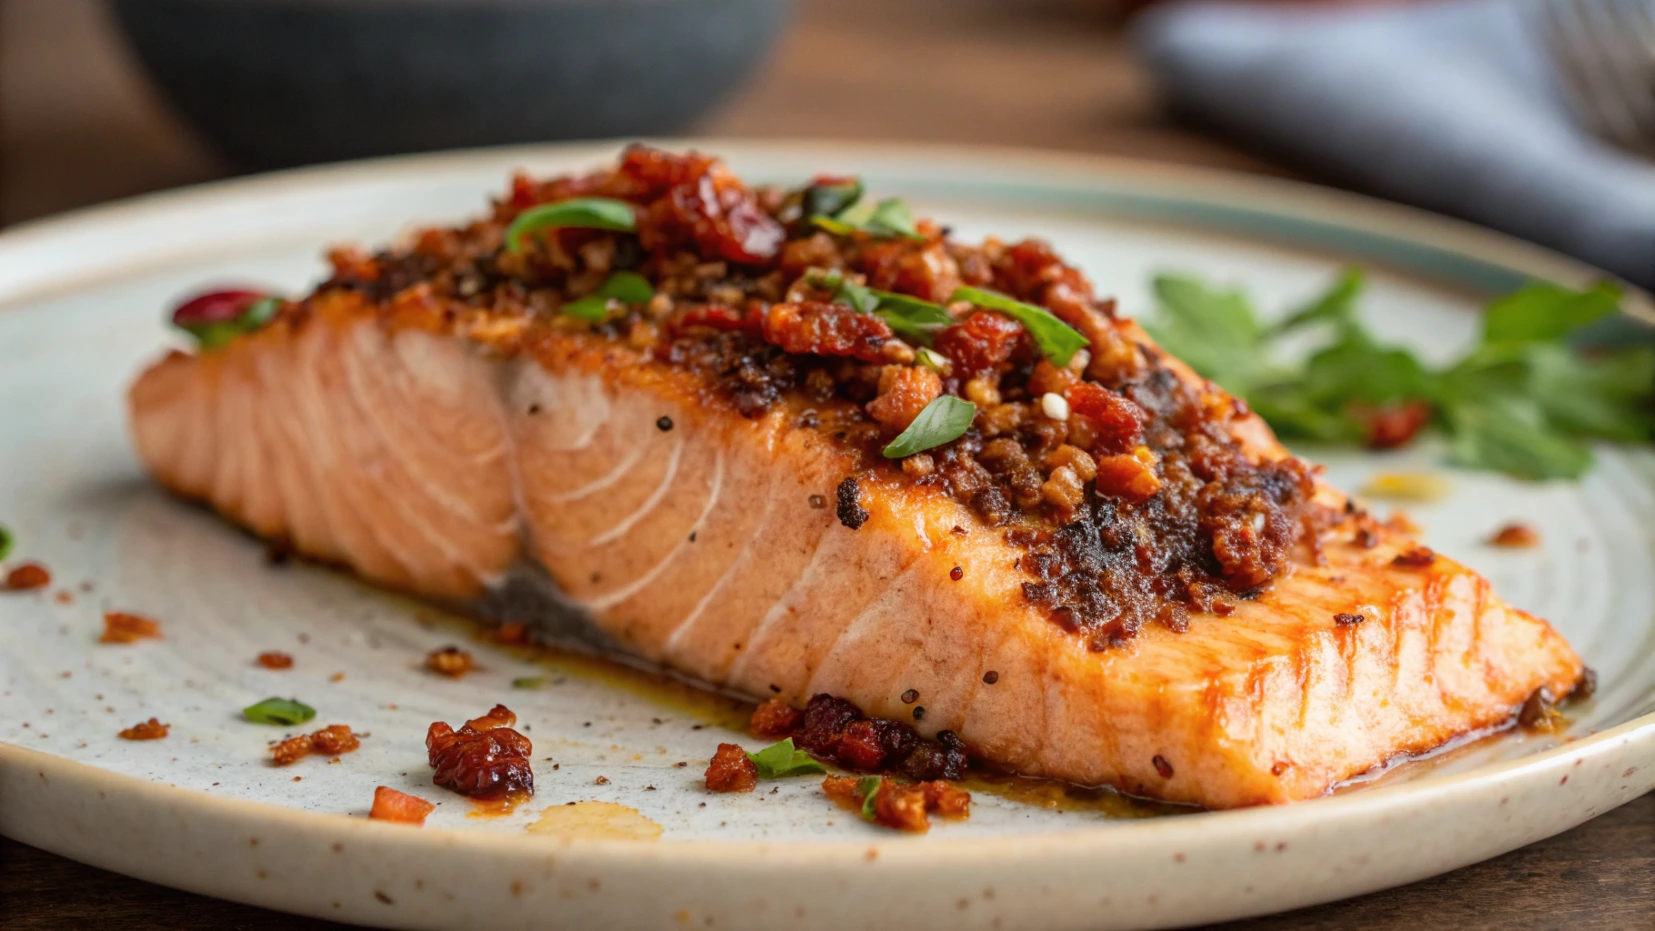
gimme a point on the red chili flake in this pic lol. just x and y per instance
(391, 805)
(122, 627)
(30, 575)
(775, 718)
(956, 573)
(1162, 766)
(152, 729)
(718, 317)
(1349, 620)
(731, 770)
(64, 597)
(329, 741)
(275, 659)
(484, 759)
(693, 199)
(823, 329)
(1393, 425)
(980, 343)
(1516, 536)
(1416, 558)
(450, 661)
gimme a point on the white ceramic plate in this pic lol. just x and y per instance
(202, 810)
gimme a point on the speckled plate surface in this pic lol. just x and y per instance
(81, 302)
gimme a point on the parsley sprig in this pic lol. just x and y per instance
(782, 759)
(1523, 401)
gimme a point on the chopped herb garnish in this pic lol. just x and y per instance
(931, 359)
(869, 787)
(782, 759)
(530, 682)
(909, 317)
(830, 198)
(6, 541)
(944, 419)
(888, 219)
(1057, 340)
(1522, 401)
(215, 319)
(626, 287)
(594, 213)
(284, 711)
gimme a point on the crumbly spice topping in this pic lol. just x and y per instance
(1122, 481)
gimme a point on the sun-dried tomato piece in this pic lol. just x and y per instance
(30, 575)
(1516, 536)
(1117, 422)
(922, 268)
(694, 200)
(981, 342)
(329, 741)
(391, 805)
(731, 770)
(275, 659)
(152, 729)
(512, 633)
(1129, 475)
(1392, 425)
(122, 627)
(450, 661)
(1030, 271)
(718, 317)
(823, 329)
(484, 759)
(1417, 557)
(904, 390)
(775, 718)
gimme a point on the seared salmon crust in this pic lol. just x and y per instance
(1115, 575)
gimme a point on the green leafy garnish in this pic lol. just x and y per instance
(216, 333)
(888, 219)
(931, 359)
(1522, 401)
(829, 198)
(595, 213)
(626, 287)
(944, 419)
(869, 787)
(782, 759)
(1057, 340)
(908, 317)
(284, 711)
(529, 682)
(6, 541)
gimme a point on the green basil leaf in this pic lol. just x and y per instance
(7, 541)
(626, 287)
(946, 418)
(596, 213)
(219, 332)
(888, 219)
(1057, 340)
(869, 787)
(782, 759)
(831, 198)
(859, 298)
(1606, 396)
(1510, 434)
(1544, 312)
(284, 711)
(908, 317)
(1336, 305)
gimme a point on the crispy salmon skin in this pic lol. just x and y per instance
(1111, 574)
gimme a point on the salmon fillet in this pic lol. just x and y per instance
(455, 456)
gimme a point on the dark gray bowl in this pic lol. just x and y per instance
(286, 82)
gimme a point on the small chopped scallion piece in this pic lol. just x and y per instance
(594, 213)
(943, 420)
(1057, 340)
(888, 219)
(932, 359)
(281, 711)
(6, 541)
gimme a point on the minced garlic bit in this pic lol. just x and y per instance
(1054, 405)
(1423, 487)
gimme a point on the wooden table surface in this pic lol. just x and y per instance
(78, 125)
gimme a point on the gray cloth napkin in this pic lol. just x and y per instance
(1451, 106)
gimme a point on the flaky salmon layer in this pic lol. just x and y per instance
(708, 542)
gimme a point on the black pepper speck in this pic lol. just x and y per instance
(851, 513)
(664, 424)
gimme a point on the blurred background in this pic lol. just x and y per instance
(1531, 116)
